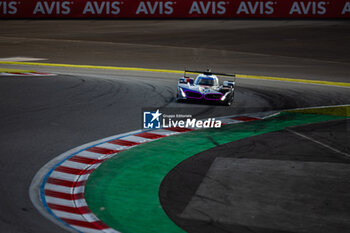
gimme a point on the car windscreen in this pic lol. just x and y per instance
(205, 81)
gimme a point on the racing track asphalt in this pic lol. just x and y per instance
(45, 116)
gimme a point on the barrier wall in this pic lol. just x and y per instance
(174, 9)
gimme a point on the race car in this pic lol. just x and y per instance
(206, 87)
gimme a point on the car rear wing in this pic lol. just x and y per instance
(208, 72)
(230, 83)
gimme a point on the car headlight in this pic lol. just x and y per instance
(224, 96)
(182, 92)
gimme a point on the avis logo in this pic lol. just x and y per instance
(151, 120)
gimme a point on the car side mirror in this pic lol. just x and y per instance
(229, 84)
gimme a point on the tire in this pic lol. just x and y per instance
(178, 100)
(229, 101)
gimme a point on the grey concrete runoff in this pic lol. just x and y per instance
(290, 196)
(295, 49)
(277, 182)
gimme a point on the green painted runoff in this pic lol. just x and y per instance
(123, 191)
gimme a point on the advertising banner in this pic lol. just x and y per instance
(174, 9)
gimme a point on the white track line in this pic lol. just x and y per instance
(346, 155)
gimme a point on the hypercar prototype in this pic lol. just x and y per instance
(206, 87)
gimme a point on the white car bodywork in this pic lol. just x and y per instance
(206, 87)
